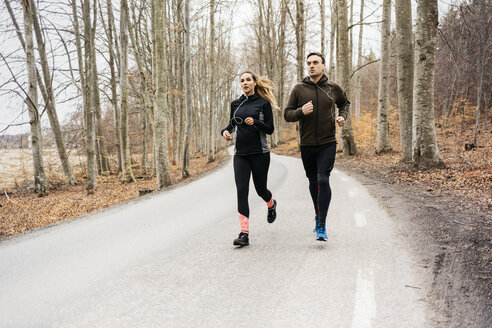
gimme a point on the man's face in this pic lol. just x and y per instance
(315, 66)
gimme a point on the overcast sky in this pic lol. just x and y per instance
(11, 105)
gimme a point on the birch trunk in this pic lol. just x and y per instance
(348, 140)
(425, 152)
(40, 184)
(50, 99)
(160, 108)
(404, 50)
(127, 175)
(185, 166)
(383, 138)
(88, 103)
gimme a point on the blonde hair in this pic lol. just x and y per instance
(264, 87)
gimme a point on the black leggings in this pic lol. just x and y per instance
(318, 162)
(258, 165)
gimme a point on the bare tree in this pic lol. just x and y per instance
(348, 139)
(322, 18)
(300, 28)
(160, 108)
(404, 49)
(50, 101)
(424, 146)
(333, 36)
(40, 184)
(358, 87)
(125, 138)
(90, 135)
(383, 139)
(185, 163)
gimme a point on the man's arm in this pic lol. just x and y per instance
(342, 102)
(292, 113)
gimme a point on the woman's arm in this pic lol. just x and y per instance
(267, 125)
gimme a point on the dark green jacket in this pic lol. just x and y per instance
(317, 128)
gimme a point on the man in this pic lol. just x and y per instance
(312, 103)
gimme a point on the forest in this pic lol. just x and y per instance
(145, 87)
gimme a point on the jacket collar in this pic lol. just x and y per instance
(254, 96)
(323, 80)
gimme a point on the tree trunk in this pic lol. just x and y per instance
(300, 38)
(40, 184)
(333, 36)
(211, 117)
(481, 70)
(349, 147)
(127, 175)
(322, 17)
(383, 139)
(114, 95)
(404, 50)
(88, 103)
(97, 102)
(359, 62)
(50, 99)
(424, 145)
(160, 108)
(185, 163)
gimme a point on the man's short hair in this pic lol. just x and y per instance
(316, 54)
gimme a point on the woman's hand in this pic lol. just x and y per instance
(227, 135)
(249, 121)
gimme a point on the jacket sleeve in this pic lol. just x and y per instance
(229, 126)
(292, 113)
(267, 124)
(342, 102)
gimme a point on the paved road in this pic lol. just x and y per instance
(168, 261)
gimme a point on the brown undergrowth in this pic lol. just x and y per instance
(23, 210)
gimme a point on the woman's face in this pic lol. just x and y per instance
(247, 83)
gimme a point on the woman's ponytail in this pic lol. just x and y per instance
(265, 88)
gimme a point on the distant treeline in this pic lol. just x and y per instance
(9, 141)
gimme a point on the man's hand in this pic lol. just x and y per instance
(227, 135)
(307, 108)
(340, 121)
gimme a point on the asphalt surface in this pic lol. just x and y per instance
(167, 260)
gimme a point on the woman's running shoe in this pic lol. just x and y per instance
(242, 240)
(272, 212)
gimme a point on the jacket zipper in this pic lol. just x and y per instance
(317, 112)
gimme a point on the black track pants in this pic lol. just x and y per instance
(244, 166)
(318, 162)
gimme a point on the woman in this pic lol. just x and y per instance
(251, 118)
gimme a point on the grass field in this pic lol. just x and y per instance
(16, 169)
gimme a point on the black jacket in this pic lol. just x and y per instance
(250, 139)
(317, 128)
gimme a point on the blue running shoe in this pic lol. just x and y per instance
(321, 234)
(316, 222)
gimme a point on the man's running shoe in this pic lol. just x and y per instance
(321, 233)
(316, 222)
(272, 212)
(242, 240)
